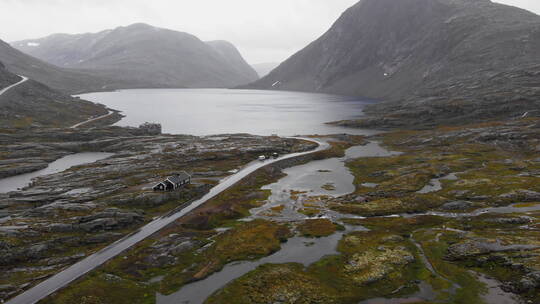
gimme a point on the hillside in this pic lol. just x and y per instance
(65, 80)
(33, 104)
(141, 55)
(232, 56)
(416, 50)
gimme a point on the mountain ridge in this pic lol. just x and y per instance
(372, 46)
(141, 55)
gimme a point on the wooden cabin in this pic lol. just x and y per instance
(173, 182)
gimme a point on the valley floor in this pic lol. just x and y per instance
(453, 218)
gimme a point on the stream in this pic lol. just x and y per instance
(310, 178)
(296, 250)
(17, 182)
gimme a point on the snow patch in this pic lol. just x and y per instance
(32, 44)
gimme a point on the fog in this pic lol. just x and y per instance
(264, 31)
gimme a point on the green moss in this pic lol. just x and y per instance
(471, 289)
(99, 286)
(317, 228)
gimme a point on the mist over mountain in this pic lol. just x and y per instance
(392, 49)
(264, 68)
(141, 55)
(65, 80)
(232, 56)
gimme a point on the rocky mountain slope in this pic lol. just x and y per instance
(34, 104)
(141, 55)
(65, 80)
(231, 55)
(448, 50)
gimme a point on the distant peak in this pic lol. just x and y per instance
(140, 25)
(219, 42)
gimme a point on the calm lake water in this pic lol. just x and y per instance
(219, 111)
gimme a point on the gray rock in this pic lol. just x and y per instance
(99, 224)
(60, 228)
(521, 195)
(511, 220)
(102, 238)
(457, 205)
(475, 247)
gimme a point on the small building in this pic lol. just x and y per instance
(173, 182)
(151, 128)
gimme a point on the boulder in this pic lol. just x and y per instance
(457, 205)
(476, 247)
(521, 196)
(511, 220)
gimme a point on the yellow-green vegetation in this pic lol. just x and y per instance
(370, 265)
(317, 227)
(526, 205)
(392, 257)
(234, 203)
(247, 241)
(328, 187)
(471, 289)
(278, 208)
(99, 286)
(338, 146)
(131, 273)
(309, 211)
(275, 283)
(207, 254)
(387, 206)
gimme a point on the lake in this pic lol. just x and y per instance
(220, 111)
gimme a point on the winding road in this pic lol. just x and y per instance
(91, 120)
(24, 79)
(93, 261)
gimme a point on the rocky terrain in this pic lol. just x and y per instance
(143, 56)
(33, 104)
(453, 218)
(62, 217)
(64, 80)
(433, 61)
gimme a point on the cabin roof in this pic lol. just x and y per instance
(177, 178)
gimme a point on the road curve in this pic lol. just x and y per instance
(91, 120)
(13, 85)
(77, 270)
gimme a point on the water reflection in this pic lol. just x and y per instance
(219, 111)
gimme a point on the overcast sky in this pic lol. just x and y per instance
(263, 30)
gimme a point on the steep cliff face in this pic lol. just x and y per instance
(232, 56)
(391, 49)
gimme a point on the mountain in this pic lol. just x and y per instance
(141, 55)
(61, 79)
(30, 103)
(419, 51)
(231, 55)
(264, 68)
